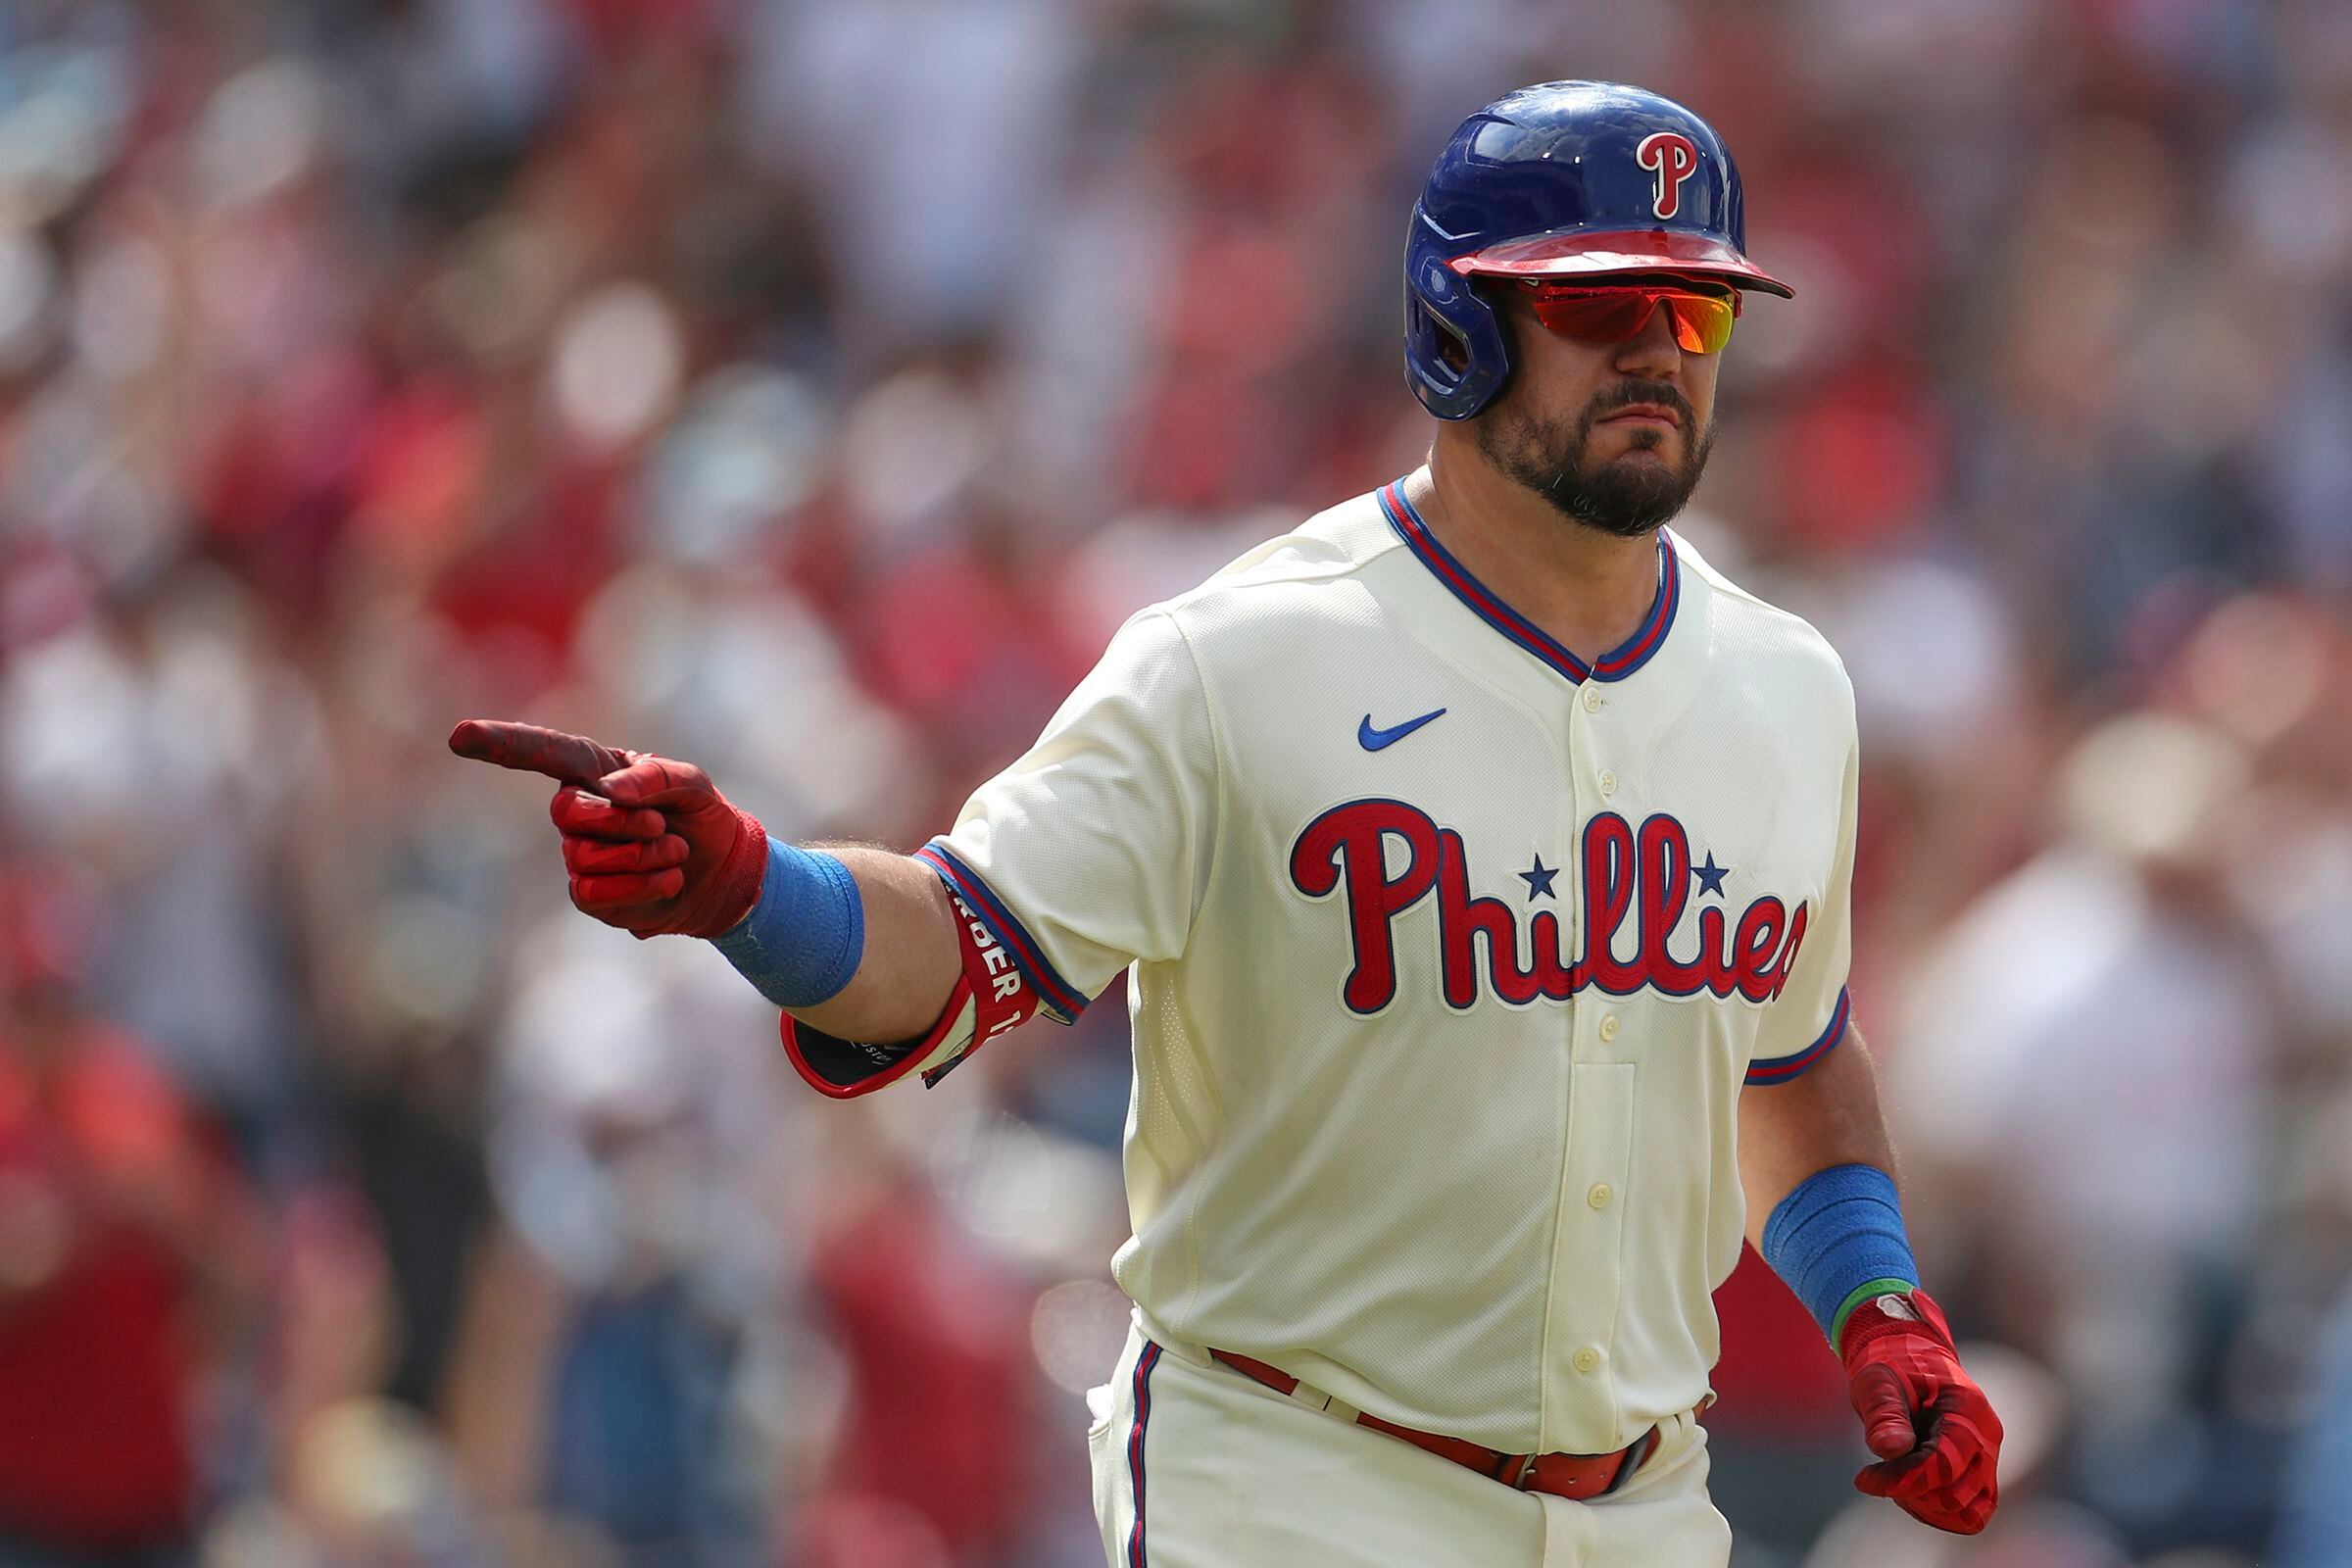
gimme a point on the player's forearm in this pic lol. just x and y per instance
(1819, 1171)
(866, 956)
(1830, 1116)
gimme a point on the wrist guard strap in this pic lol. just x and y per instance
(801, 940)
(1837, 1241)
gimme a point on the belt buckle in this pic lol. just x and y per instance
(1525, 1479)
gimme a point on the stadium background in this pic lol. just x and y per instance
(808, 388)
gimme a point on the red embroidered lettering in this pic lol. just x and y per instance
(1608, 883)
(1754, 947)
(1625, 877)
(1462, 920)
(1351, 841)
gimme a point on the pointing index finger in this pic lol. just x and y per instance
(527, 747)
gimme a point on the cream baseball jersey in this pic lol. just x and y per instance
(1449, 956)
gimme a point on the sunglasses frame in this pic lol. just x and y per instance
(1687, 332)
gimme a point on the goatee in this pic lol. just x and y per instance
(1622, 495)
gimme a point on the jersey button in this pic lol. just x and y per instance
(1608, 782)
(1609, 1026)
(1586, 1360)
(1599, 1195)
(1593, 698)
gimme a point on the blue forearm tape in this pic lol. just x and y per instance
(802, 939)
(1839, 1233)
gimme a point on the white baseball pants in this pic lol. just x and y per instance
(1196, 1466)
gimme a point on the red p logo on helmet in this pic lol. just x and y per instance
(1672, 158)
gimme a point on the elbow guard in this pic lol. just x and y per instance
(991, 995)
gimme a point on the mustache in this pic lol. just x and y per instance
(1625, 394)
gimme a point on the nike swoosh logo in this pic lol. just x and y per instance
(1372, 739)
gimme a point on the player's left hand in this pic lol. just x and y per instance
(1938, 1440)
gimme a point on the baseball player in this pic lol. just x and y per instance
(1479, 859)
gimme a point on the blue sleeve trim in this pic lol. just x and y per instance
(1840, 1229)
(1782, 1069)
(802, 941)
(1063, 999)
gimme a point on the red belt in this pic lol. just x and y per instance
(1577, 1476)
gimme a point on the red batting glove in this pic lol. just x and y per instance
(652, 846)
(1938, 1440)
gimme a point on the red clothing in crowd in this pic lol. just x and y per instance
(937, 1343)
(96, 1151)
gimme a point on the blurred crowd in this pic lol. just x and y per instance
(807, 387)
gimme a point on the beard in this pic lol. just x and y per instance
(1624, 495)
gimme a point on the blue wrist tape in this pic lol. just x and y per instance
(1839, 1240)
(802, 939)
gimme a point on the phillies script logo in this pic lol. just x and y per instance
(1630, 878)
(1673, 159)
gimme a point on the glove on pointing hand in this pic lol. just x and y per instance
(652, 846)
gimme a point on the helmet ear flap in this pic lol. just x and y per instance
(1454, 357)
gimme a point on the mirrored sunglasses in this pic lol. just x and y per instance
(1617, 312)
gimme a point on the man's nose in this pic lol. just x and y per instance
(1652, 354)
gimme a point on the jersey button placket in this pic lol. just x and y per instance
(1581, 803)
(1587, 1302)
(1592, 699)
(1567, 1308)
(1576, 804)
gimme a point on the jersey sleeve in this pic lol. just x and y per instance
(1808, 1018)
(1091, 851)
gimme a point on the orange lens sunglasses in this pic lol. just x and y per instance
(1617, 312)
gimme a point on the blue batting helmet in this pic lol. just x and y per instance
(1567, 179)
